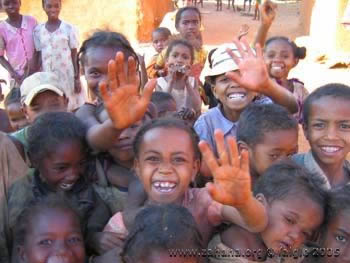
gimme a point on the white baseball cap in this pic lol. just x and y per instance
(38, 83)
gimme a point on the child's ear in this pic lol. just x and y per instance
(25, 111)
(65, 101)
(261, 198)
(213, 89)
(242, 146)
(137, 167)
(296, 61)
(305, 130)
(196, 168)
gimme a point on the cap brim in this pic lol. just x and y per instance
(39, 89)
(222, 68)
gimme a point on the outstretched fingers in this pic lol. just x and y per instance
(120, 69)
(148, 91)
(132, 72)
(233, 150)
(221, 148)
(113, 83)
(208, 156)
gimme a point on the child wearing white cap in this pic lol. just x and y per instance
(237, 75)
(40, 93)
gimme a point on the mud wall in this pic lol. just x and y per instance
(134, 18)
(321, 19)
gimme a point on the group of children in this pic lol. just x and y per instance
(143, 175)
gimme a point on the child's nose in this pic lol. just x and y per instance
(165, 168)
(332, 132)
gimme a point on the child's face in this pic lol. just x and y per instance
(16, 116)
(328, 130)
(122, 149)
(11, 7)
(289, 223)
(275, 146)
(166, 107)
(338, 237)
(96, 66)
(166, 164)
(159, 41)
(189, 24)
(279, 59)
(63, 167)
(180, 55)
(232, 97)
(52, 9)
(46, 101)
(54, 237)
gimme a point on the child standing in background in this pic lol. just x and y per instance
(57, 43)
(281, 55)
(160, 39)
(14, 110)
(16, 41)
(178, 83)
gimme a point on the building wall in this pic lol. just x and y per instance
(134, 18)
(321, 19)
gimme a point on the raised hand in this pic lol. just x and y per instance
(120, 94)
(253, 74)
(232, 183)
(268, 12)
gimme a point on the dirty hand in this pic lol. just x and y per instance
(105, 241)
(120, 94)
(232, 183)
(243, 31)
(268, 12)
(253, 74)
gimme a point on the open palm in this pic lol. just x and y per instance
(253, 74)
(232, 183)
(120, 94)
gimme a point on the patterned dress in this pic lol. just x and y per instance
(55, 48)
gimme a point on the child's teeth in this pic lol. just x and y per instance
(236, 96)
(330, 149)
(164, 187)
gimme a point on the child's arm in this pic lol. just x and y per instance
(268, 14)
(232, 184)
(122, 101)
(4, 62)
(253, 75)
(77, 84)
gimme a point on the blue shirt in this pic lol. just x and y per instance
(211, 120)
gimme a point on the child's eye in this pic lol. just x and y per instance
(318, 125)
(45, 242)
(341, 238)
(290, 220)
(74, 240)
(179, 159)
(274, 156)
(344, 126)
(94, 74)
(152, 159)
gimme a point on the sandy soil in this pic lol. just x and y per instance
(223, 26)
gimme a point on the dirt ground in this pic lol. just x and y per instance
(222, 26)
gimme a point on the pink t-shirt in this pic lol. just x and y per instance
(18, 43)
(205, 211)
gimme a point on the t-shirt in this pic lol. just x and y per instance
(308, 161)
(18, 43)
(206, 212)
